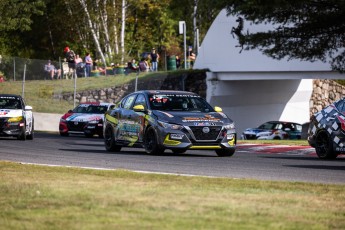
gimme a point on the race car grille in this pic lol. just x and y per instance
(201, 135)
(76, 126)
(250, 136)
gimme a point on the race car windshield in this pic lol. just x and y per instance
(10, 103)
(174, 102)
(90, 109)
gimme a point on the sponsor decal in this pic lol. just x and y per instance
(3, 112)
(206, 118)
(204, 124)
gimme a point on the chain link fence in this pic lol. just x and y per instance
(27, 77)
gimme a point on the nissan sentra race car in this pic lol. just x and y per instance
(86, 118)
(175, 120)
(16, 118)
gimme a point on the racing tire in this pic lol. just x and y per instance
(22, 135)
(88, 135)
(109, 140)
(225, 152)
(151, 144)
(30, 136)
(323, 146)
(64, 134)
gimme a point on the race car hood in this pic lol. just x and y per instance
(11, 113)
(193, 119)
(82, 117)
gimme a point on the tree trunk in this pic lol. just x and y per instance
(116, 43)
(123, 18)
(92, 30)
(104, 17)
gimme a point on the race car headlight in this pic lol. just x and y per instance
(94, 122)
(229, 126)
(171, 126)
(15, 119)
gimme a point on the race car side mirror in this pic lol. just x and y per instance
(70, 111)
(217, 109)
(139, 108)
(28, 107)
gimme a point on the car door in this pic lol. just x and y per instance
(139, 117)
(129, 122)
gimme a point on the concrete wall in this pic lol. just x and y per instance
(251, 103)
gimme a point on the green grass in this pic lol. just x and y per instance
(39, 197)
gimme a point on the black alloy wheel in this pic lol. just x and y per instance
(323, 145)
(151, 142)
(225, 152)
(109, 140)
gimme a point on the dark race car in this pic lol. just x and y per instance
(16, 118)
(274, 130)
(86, 118)
(326, 131)
(175, 120)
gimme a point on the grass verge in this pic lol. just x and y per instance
(39, 197)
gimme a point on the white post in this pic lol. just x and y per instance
(75, 87)
(182, 29)
(23, 83)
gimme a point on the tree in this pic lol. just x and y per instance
(304, 29)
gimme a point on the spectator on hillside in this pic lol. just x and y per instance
(70, 57)
(51, 70)
(143, 65)
(88, 64)
(154, 59)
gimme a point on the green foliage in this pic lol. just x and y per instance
(306, 30)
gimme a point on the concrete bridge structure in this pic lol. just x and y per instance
(251, 87)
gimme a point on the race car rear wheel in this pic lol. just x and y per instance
(151, 142)
(225, 152)
(109, 140)
(323, 146)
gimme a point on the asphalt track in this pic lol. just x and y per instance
(263, 162)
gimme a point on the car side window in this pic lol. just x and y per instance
(140, 100)
(128, 103)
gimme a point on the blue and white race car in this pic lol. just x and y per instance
(16, 118)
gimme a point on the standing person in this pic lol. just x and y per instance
(178, 62)
(190, 56)
(70, 58)
(154, 59)
(88, 64)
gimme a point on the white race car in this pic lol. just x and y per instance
(16, 118)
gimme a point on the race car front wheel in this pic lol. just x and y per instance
(225, 152)
(109, 140)
(151, 142)
(323, 146)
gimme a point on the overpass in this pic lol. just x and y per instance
(251, 87)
